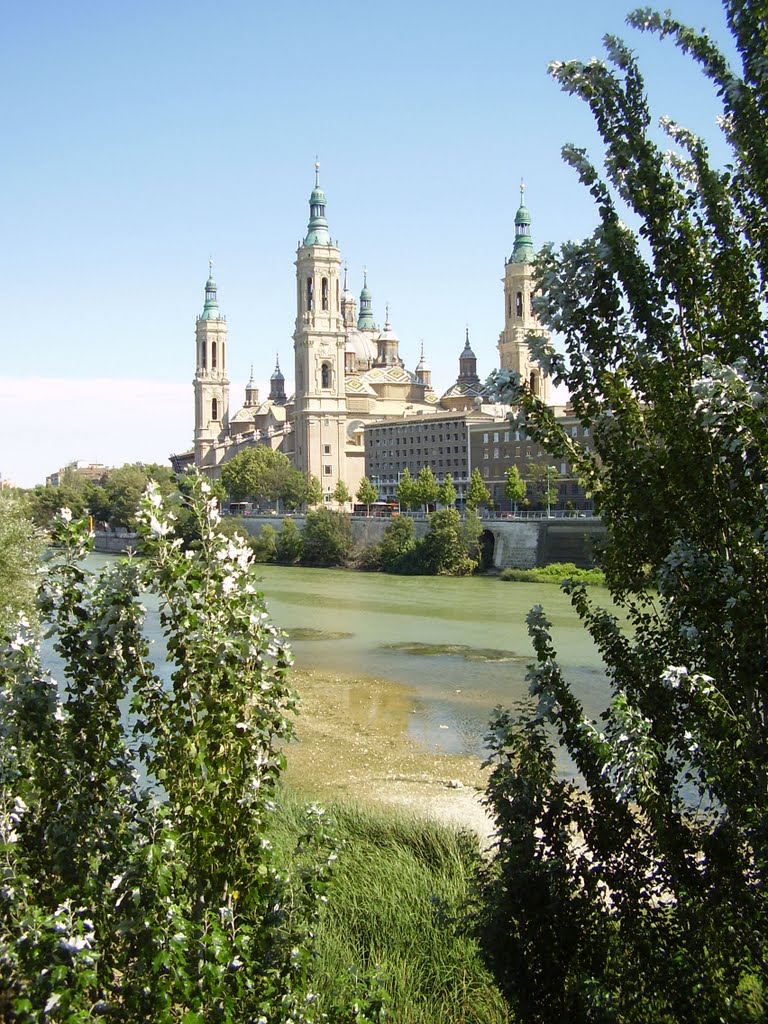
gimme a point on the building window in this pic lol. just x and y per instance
(486, 472)
(495, 453)
(506, 435)
(215, 409)
(519, 304)
(309, 294)
(574, 431)
(327, 470)
(586, 431)
(485, 453)
(326, 449)
(204, 355)
(213, 356)
(485, 439)
(325, 375)
(324, 292)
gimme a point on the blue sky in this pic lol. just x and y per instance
(142, 138)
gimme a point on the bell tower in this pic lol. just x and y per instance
(520, 321)
(319, 342)
(211, 384)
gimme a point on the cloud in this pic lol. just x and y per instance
(46, 422)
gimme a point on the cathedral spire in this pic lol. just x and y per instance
(317, 230)
(523, 249)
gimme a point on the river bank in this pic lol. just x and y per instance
(350, 745)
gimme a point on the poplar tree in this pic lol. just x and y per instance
(641, 894)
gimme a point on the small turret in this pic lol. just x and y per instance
(365, 318)
(251, 392)
(277, 385)
(388, 345)
(468, 363)
(423, 371)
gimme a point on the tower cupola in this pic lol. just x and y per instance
(523, 248)
(365, 317)
(423, 371)
(211, 306)
(468, 363)
(277, 385)
(251, 392)
(388, 345)
(317, 230)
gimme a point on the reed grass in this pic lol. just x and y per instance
(395, 910)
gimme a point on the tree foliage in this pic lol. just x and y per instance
(366, 493)
(514, 486)
(427, 488)
(20, 547)
(644, 895)
(477, 493)
(341, 494)
(155, 900)
(443, 551)
(263, 473)
(406, 491)
(327, 538)
(446, 493)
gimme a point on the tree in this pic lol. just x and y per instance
(20, 548)
(314, 492)
(406, 491)
(366, 494)
(116, 500)
(442, 552)
(263, 473)
(289, 549)
(157, 899)
(327, 538)
(543, 481)
(514, 486)
(341, 493)
(651, 870)
(397, 545)
(427, 489)
(446, 494)
(477, 493)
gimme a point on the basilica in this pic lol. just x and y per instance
(348, 371)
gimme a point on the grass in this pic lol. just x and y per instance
(395, 908)
(554, 573)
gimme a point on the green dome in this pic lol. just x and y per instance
(523, 249)
(317, 229)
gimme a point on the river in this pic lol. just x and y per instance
(458, 647)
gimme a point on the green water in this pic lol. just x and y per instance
(460, 646)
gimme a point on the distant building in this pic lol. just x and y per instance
(495, 447)
(80, 469)
(348, 373)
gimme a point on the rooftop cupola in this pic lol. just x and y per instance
(523, 249)
(317, 230)
(423, 371)
(251, 392)
(388, 345)
(365, 318)
(211, 306)
(277, 384)
(468, 362)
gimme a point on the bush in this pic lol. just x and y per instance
(556, 572)
(327, 538)
(289, 548)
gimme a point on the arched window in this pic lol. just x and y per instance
(337, 294)
(509, 307)
(213, 355)
(215, 409)
(309, 294)
(203, 355)
(325, 375)
(324, 286)
(223, 353)
(535, 383)
(519, 304)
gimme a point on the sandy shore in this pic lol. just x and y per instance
(352, 743)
